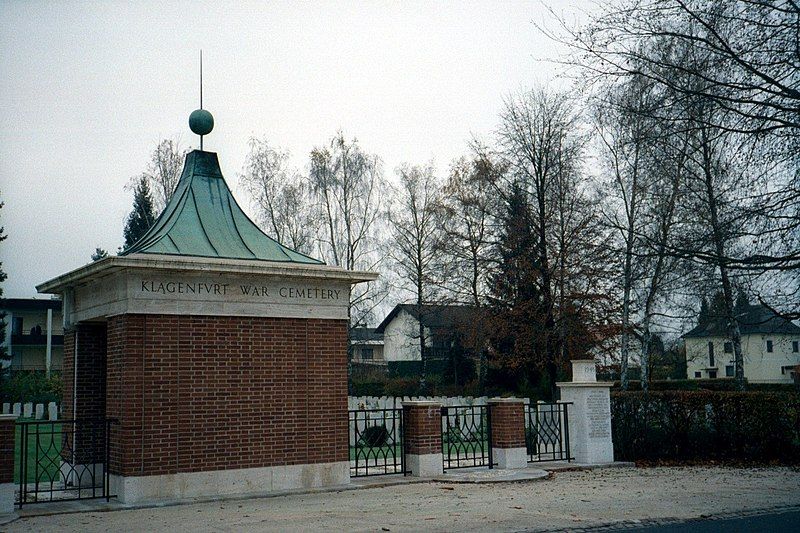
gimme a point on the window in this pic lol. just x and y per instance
(698, 374)
(16, 325)
(366, 354)
(728, 347)
(769, 346)
(795, 346)
(712, 374)
(711, 354)
(728, 371)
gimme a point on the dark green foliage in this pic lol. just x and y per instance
(706, 426)
(33, 387)
(142, 216)
(374, 436)
(4, 355)
(515, 301)
(719, 384)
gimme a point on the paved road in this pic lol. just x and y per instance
(569, 501)
(772, 522)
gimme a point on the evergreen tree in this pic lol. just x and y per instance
(141, 217)
(515, 298)
(704, 311)
(742, 302)
(4, 355)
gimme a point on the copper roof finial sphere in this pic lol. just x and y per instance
(201, 122)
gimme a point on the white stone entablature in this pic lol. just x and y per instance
(154, 284)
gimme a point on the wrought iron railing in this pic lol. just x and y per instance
(547, 432)
(376, 442)
(62, 460)
(466, 436)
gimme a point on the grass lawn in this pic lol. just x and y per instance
(47, 437)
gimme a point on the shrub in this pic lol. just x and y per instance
(706, 426)
(375, 436)
(34, 387)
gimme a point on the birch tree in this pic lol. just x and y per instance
(347, 186)
(281, 195)
(416, 248)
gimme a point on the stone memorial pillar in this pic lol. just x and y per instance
(7, 485)
(508, 432)
(422, 439)
(589, 414)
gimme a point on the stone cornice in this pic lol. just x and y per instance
(174, 263)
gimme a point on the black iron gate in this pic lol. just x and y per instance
(547, 431)
(62, 460)
(376, 442)
(466, 436)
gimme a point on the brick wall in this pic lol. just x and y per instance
(90, 342)
(6, 451)
(508, 424)
(91, 378)
(422, 425)
(197, 393)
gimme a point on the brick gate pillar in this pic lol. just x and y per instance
(508, 432)
(422, 439)
(7, 464)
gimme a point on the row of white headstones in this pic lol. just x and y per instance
(30, 410)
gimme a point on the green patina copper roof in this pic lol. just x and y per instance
(202, 219)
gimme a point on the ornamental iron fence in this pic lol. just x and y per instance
(466, 436)
(376, 442)
(547, 432)
(62, 460)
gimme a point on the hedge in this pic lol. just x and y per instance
(689, 426)
(720, 384)
(31, 386)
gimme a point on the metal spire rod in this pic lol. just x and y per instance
(201, 79)
(201, 92)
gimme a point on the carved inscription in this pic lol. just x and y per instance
(598, 411)
(255, 292)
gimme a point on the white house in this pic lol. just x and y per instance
(770, 348)
(367, 346)
(441, 324)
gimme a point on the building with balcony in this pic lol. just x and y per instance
(34, 336)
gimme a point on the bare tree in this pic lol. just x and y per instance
(539, 143)
(164, 171)
(416, 247)
(282, 196)
(468, 201)
(740, 59)
(347, 185)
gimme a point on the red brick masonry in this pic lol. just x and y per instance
(508, 424)
(422, 425)
(91, 383)
(196, 393)
(7, 450)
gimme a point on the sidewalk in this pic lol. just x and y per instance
(567, 500)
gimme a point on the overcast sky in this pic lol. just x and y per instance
(87, 89)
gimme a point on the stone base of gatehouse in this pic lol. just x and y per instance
(228, 483)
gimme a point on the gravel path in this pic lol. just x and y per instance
(570, 500)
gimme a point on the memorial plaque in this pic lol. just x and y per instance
(599, 414)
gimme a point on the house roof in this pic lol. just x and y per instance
(202, 219)
(30, 304)
(433, 316)
(362, 335)
(754, 319)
